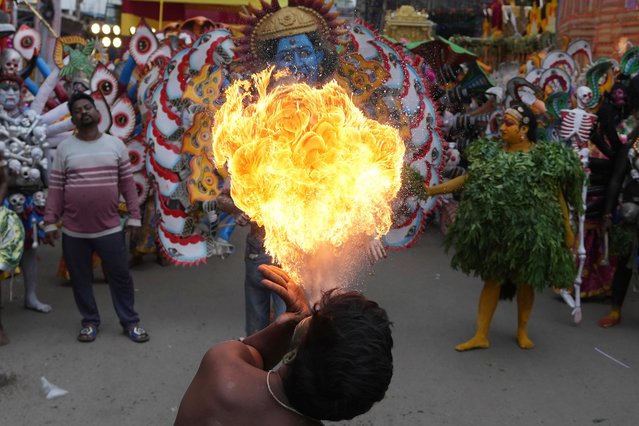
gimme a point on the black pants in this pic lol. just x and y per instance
(111, 248)
(621, 281)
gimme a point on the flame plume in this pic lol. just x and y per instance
(308, 166)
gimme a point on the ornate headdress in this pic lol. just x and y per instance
(273, 21)
(518, 113)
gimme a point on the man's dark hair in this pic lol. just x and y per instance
(345, 363)
(78, 96)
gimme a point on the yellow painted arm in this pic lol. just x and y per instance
(569, 236)
(452, 185)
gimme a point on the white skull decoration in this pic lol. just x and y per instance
(10, 61)
(584, 96)
(39, 200)
(16, 201)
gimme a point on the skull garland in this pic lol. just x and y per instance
(22, 134)
(11, 62)
(16, 202)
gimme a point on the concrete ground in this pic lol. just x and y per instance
(577, 375)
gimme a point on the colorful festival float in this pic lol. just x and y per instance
(316, 164)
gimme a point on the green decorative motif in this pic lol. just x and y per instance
(79, 60)
(630, 62)
(509, 225)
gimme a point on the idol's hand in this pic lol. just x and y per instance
(278, 281)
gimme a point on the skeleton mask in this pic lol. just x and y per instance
(39, 199)
(16, 202)
(584, 96)
(10, 61)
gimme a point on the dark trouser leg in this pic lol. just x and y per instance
(112, 250)
(621, 282)
(77, 254)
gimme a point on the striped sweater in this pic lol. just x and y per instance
(85, 184)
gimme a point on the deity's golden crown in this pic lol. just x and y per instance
(289, 21)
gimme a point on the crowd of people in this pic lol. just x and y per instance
(544, 172)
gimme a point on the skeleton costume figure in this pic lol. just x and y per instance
(575, 129)
(23, 143)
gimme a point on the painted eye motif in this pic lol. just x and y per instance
(27, 41)
(143, 45)
(105, 82)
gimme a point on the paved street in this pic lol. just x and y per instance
(566, 380)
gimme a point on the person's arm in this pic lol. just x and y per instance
(569, 235)
(273, 341)
(225, 203)
(452, 185)
(619, 170)
(55, 196)
(126, 186)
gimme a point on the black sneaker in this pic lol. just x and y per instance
(88, 333)
(137, 334)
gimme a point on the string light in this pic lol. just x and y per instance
(106, 29)
(117, 42)
(106, 41)
(95, 28)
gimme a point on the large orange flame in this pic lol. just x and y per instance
(307, 165)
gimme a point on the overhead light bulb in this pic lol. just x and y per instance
(116, 29)
(106, 41)
(106, 29)
(132, 30)
(117, 42)
(95, 28)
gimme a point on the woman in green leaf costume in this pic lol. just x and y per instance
(513, 226)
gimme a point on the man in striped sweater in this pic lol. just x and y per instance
(90, 171)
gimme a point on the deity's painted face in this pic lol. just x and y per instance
(9, 94)
(300, 56)
(510, 129)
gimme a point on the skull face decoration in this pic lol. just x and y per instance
(39, 200)
(16, 202)
(584, 96)
(10, 62)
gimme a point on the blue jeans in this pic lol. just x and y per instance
(256, 297)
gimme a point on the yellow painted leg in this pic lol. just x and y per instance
(525, 301)
(487, 304)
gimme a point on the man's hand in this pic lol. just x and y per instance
(50, 237)
(278, 281)
(376, 250)
(242, 219)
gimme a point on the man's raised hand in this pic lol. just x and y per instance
(278, 281)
